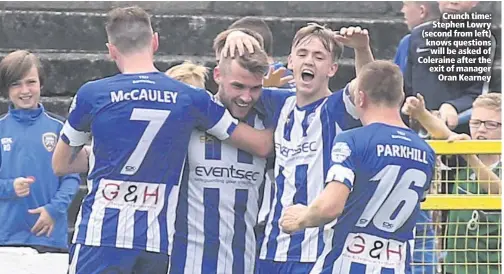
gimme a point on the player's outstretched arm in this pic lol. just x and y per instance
(415, 108)
(324, 209)
(258, 142)
(487, 179)
(69, 157)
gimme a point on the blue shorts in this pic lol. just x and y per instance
(269, 267)
(111, 260)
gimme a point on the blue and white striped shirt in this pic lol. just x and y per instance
(217, 207)
(303, 138)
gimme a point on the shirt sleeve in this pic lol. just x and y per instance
(271, 103)
(7, 189)
(69, 185)
(343, 156)
(401, 56)
(77, 129)
(212, 116)
(349, 104)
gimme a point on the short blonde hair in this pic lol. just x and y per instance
(489, 101)
(189, 73)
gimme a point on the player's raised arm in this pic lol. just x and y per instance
(69, 157)
(358, 39)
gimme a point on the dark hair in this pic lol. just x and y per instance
(15, 66)
(258, 25)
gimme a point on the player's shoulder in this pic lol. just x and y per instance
(401, 135)
(336, 97)
(416, 32)
(55, 118)
(277, 97)
(279, 92)
(404, 40)
(339, 104)
(95, 87)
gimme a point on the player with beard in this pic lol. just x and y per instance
(306, 123)
(218, 202)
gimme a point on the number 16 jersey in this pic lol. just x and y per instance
(388, 169)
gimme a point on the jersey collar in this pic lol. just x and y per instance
(26, 115)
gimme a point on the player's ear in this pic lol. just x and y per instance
(361, 99)
(155, 42)
(289, 62)
(332, 70)
(112, 50)
(217, 75)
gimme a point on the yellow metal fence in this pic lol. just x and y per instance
(464, 236)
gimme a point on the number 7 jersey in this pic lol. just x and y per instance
(388, 170)
(140, 126)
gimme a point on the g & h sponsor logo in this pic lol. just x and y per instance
(142, 196)
(369, 249)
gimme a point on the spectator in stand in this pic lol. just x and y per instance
(473, 237)
(449, 97)
(415, 13)
(33, 200)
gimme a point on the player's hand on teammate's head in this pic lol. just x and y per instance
(290, 221)
(458, 137)
(414, 106)
(44, 224)
(354, 37)
(274, 77)
(238, 40)
(22, 186)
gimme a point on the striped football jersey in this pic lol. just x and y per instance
(140, 125)
(217, 209)
(303, 137)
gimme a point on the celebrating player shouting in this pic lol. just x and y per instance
(307, 122)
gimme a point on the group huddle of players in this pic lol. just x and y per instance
(174, 172)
